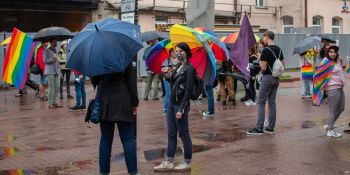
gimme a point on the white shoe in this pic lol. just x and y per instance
(248, 102)
(208, 114)
(332, 133)
(252, 103)
(183, 166)
(164, 166)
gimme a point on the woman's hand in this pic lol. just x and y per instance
(179, 115)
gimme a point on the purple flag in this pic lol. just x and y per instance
(239, 52)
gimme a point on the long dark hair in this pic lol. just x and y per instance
(183, 46)
(335, 50)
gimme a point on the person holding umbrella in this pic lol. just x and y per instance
(182, 79)
(104, 51)
(53, 73)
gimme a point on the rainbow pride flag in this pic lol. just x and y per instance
(17, 60)
(307, 72)
(347, 68)
(322, 76)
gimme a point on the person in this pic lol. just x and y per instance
(53, 73)
(166, 67)
(269, 85)
(80, 94)
(333, 86)
(62, 54)
(209, 90)
(254, 69)
(181, 80)
(39, 60)
(226, 83)
(152, 78)
(306, 64)
(112, 89)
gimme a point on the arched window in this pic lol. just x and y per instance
(336, 25)
(287, 22)
(317, 21)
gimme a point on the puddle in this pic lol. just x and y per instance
(307, 124)
(16, 172)
(43, 148)
(82, 163)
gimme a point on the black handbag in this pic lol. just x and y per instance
(93, 112)
(35, 69)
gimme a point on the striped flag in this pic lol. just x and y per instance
(17, 60)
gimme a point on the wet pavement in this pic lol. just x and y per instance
(37, 140)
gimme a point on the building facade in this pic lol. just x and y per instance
(282, 16)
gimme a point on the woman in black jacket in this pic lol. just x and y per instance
(117, 94)
(181, 77)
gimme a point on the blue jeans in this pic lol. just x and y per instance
(180, 125)
(167, 95)
(307, 88)
(209, 92)
(80, 94)
(127, 136)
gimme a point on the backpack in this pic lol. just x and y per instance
(277, 68)
(197, 88)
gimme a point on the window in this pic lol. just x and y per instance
(316, 21)
(161, 20)
(259, 3)
(287, 22)
(336, 25)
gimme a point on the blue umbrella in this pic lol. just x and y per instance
(103, 47)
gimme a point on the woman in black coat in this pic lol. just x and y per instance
(117, 94)
(182, 78)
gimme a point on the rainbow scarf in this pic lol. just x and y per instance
(17, 60)
(322, 76)
(307, 72)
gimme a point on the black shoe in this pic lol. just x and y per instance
(255, 132)
(83, 107)
(75, 108)
(269, 130)
(69, 96)
(244, 99)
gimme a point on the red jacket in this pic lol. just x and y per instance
(39, 60)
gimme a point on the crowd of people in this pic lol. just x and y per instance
(177, 81)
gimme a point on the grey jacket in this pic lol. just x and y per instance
(52, 64)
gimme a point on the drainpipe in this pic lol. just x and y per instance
(305, 1)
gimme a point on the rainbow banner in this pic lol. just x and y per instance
(307, 72)
(322, 76)
(17, 60)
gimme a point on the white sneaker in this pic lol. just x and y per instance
(164, 166)
(332, 133)
(248, 102)
(183, 166)
(208, 114)
(252, 103)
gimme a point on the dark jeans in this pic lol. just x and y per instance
(80, 94)
(128, 139)
(252, 92)
(65, 73)
(180, 125)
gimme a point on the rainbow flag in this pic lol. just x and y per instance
(307, 72)
(17, 60)
(322, 76)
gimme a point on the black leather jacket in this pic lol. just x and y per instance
(181, 86)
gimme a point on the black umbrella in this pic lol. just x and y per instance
(306, 44)
(148, 36)
(326, 38)
(58, 33)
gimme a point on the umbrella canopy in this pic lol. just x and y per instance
(6, 41)
(103, 47)
(326, 38)
(203, 59)
(58, 33)
(219, 48)
(232, 38)
(148, 36)
(158, 54)
(306, 44)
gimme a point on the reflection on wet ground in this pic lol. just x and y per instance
(16, 172)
